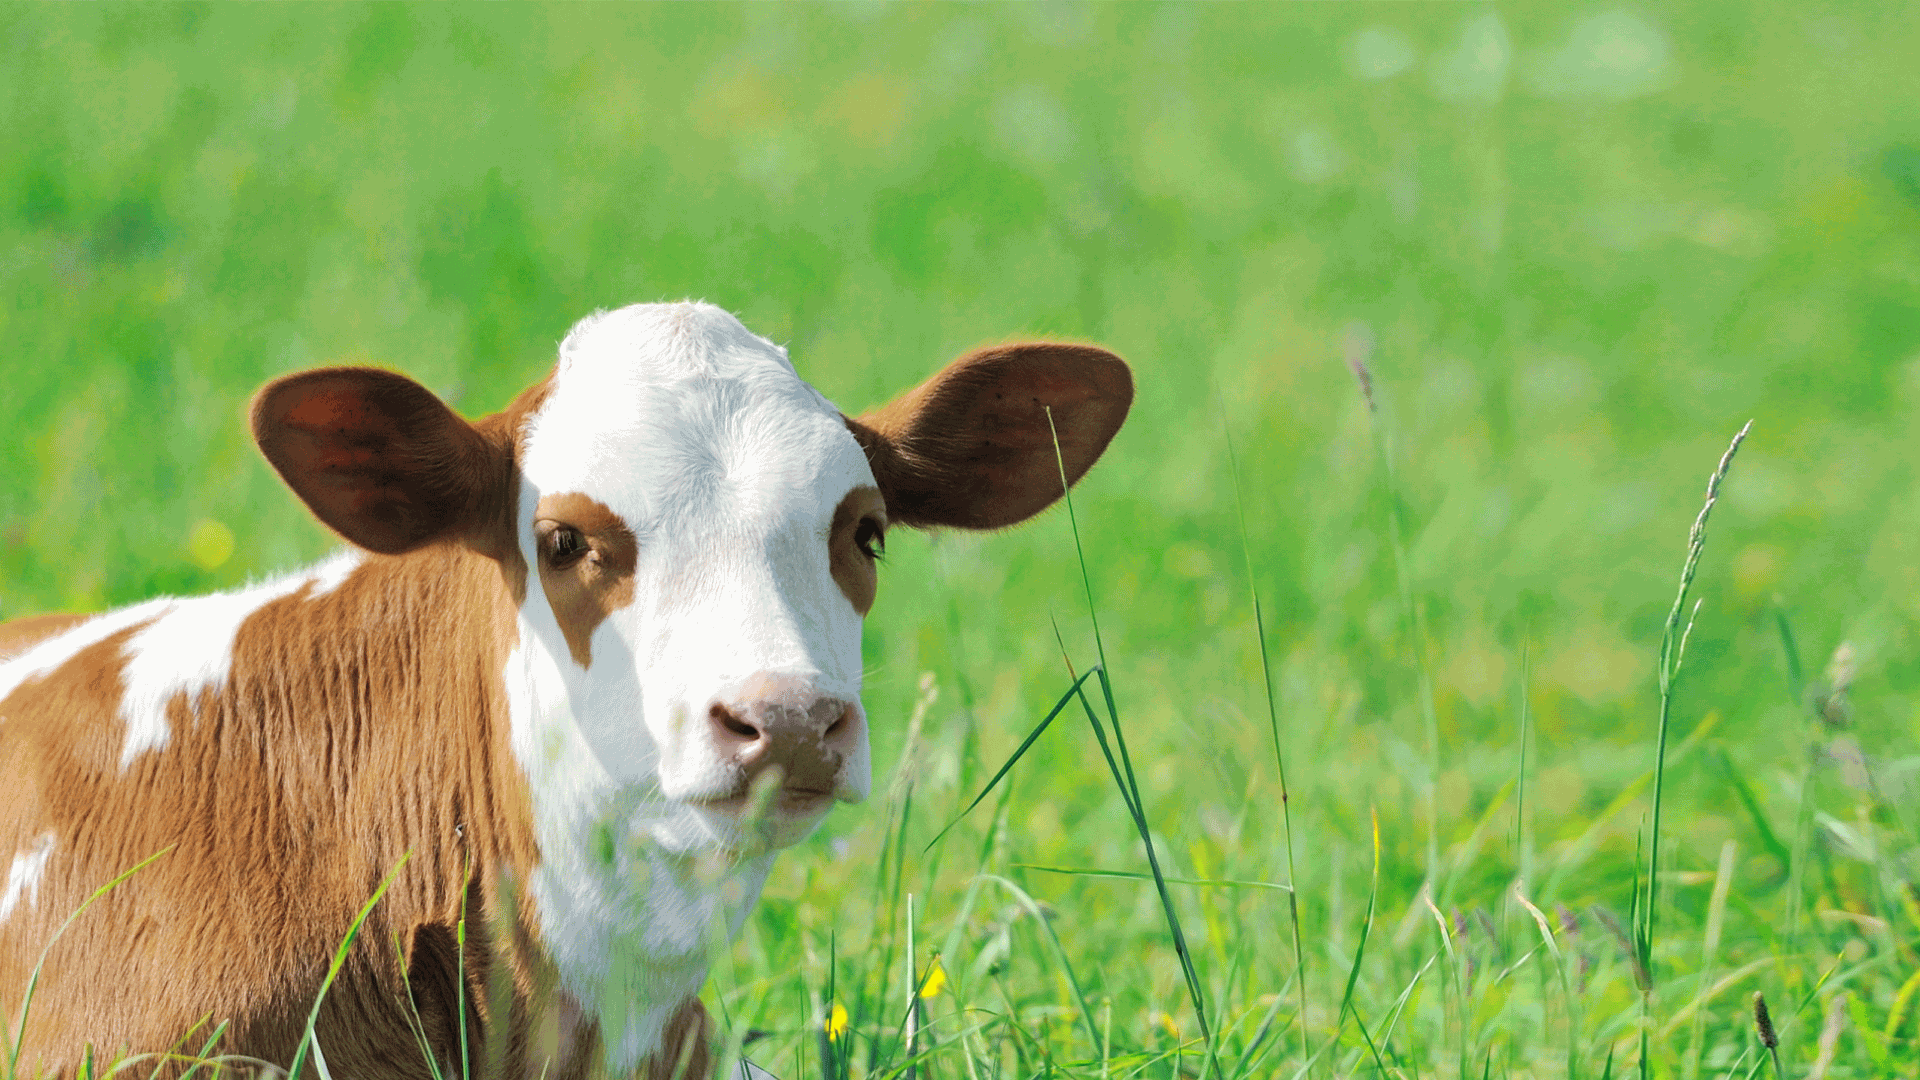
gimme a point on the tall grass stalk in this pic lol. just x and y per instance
(1273, 724)
(415, 1023)
(1522, 852)
(460, 969)
(1673, 647)
(1130, 784)
(1359, 345)
(1803, 810)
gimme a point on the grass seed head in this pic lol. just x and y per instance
(1763, 1021)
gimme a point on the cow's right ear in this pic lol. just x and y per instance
(982, 444)
(379, 458)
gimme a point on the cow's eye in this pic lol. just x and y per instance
(565, 545)
(870, 538)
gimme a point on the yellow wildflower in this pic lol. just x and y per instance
(836, 1024)
(935, 981)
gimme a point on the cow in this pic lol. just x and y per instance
(586, 666)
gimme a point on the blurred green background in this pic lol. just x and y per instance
(1585, 243)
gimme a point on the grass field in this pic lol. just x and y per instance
(1574, 251)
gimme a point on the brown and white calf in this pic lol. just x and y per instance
(568, 640)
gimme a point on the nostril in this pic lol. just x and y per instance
(839, 723)
(732, 723)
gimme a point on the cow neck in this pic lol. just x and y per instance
(405, 659)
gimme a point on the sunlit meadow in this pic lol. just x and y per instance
(1441, 317)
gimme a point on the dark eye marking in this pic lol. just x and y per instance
(870, 538)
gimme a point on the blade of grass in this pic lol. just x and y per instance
(319, 1059)
(1400, 1003)
(1796, 682)
(339, 960)
(161, 1061)
(1451, 980)
(1709, 953)
(1803, 813)
(1697, 1008)
(894, 893)
(33, 980)
(205, 1049)
(1259, 1039)
(1025, 745)
(1133, 876)
(909, 1031)
(1359, 345)
(1521, 852)
(1159, 879)
(414, 1022)
(1131, 784)
(1273, 724)
(460, 970)
(1560, 965)
(829, 1032)
(499, 928)
(1059, 952)
(1743, 790)
(1359, 955)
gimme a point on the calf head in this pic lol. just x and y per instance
(697, 530)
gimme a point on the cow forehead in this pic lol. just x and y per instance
(669, 411)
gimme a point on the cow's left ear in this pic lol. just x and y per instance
(379, 458)
(972, 446)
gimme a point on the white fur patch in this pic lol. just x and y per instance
(185, 645)
(626, 917)
(333, 571)
(189, 650)
(23, 878)
(660, 343)
(50, 655)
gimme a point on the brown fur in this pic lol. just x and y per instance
(281, 820)
(19, 635)
(355, 728)
(852, 570)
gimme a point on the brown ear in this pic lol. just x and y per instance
(971, 446)
(378, 458)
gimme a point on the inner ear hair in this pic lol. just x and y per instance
(972, 448)
(381, 460)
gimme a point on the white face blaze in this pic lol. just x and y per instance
(727, 469)
(696, 437)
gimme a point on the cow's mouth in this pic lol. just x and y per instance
(784, 802)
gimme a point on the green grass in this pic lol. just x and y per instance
(1575, 250)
